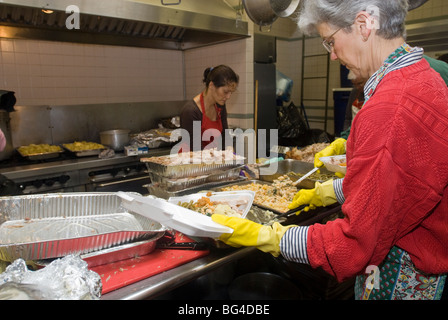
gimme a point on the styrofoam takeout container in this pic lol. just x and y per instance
(329, 163)
(243, 199)
(187, 221)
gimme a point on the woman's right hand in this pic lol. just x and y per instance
(321, 196)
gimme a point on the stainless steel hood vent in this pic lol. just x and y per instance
(119, 22)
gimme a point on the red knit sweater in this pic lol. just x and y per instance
(396, 186)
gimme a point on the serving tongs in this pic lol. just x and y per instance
(305, 176)
(300, 208)
(292, 211)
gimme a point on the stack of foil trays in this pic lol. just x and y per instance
(187, 173)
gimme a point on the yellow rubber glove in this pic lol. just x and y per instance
(336, 148)
(250, 234)
(321, 196)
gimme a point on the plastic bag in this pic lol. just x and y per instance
(292, 127)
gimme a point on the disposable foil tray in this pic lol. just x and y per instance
(42, 155)
(184, 170)
(36, 227)
(86, 153)
(156, 191)
(173, 185)
(114, 254)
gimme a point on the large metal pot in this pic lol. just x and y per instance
(265, 12)
(414, 4)
(115, 139)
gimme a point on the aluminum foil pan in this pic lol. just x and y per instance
(173, 185)
(35, 227)
(164, 194)
(188, 170)
(193, 164)
(41, 156)
(114, 254)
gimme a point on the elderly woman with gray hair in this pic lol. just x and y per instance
(394, 233)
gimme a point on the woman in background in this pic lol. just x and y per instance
(207, 111)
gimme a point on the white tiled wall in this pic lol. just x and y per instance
(45, 72)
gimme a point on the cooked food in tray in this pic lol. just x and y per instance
(34, 149)
(83, 146)
(276, 196)
(193, 164)
(210, 156)
(307, 153)
(231, 208)
(263, 216)
(316, 176)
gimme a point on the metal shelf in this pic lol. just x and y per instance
(325, 83)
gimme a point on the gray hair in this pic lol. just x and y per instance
(342, 14)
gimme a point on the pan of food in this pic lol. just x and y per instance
(40, 151)
(84, 148)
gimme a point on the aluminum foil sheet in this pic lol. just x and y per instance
(173, 185)
(36, 227)
(64, 279)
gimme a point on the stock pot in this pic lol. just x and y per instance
(115, 139)
(265, 12)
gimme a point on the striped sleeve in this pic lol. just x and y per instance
(293, 245)
(337, 186)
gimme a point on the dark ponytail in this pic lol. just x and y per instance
(220, 76)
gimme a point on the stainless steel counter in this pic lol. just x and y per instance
(157, 285)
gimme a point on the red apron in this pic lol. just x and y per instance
(209, 124)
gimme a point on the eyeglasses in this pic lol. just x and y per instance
(328, 42)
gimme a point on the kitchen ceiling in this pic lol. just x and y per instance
(120, 22)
